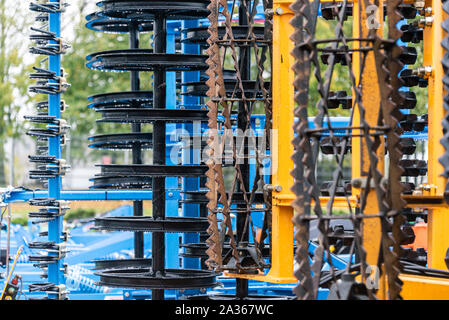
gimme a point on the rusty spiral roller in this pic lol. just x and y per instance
(383, 56)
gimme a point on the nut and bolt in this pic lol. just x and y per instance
(423, 72)
(424, 22)
(269, 187)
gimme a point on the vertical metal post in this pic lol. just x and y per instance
(55, 226)
(171, 183)
(360, 163)
(136, 150)
(11, 165)
(438, 218)
(158, 244)
(8, 238)
(189, 156)
(242, 122)
(281, 149)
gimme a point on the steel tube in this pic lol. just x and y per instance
(159, 98)
(137, 148)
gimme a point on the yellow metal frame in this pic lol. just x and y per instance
(424, 288)
(371, 100)
(438, 216)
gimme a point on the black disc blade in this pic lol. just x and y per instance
(179, 9)
(152, 170)
(122, 141)
(169, 279)
(144, 60)
(125, 99)
(147, 115)
(149, 224)
(100, 23)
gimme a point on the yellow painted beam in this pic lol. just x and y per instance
(432, 56)
(270, 277)
(371, 98)
(424, 288)
(438, 237)
(438, 217)
(282, 149)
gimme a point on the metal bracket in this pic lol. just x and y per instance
(362, 183)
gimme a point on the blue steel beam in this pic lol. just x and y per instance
(23, 195)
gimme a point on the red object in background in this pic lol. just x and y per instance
(420, 230)
(106, 160)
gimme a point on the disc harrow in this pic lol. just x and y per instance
(139, 108)
(49, 131)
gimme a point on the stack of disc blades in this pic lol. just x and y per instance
(49, 130)
(137, 108)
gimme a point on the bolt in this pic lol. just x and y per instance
(269, 13)
(203, 290)
(419, 4)
(127, 295)
(170, 194)
(424, 22)
(269, 187)
(279, 11)
(426, 11)
(423, 72)
(356, 183)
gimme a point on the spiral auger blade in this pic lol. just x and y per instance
(235, 90)
(395, 152)
(444, 159)
(304, 29)
(214, 247)
(215, 182)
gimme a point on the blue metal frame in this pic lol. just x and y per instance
(55, 229)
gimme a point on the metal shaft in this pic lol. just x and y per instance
(136, 150)
(242, 122)
(8, 238)
(159, 98)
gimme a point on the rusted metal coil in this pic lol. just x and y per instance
(387, 57)
(223, 45)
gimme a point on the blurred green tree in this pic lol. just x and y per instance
(14, 70)
(85, 82)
